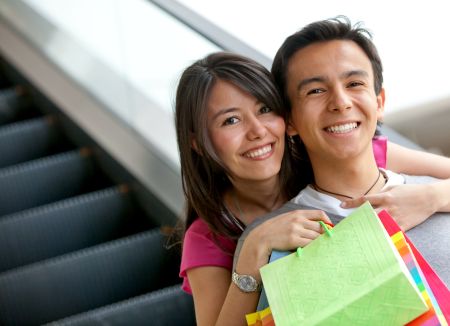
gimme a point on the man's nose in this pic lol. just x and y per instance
(340, 100)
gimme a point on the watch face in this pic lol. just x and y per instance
(247, 283)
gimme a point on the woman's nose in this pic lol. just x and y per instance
(256, 129)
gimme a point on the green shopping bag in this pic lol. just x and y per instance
(351, 276)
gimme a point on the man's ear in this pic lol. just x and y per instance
(380, 105)
(290, 129)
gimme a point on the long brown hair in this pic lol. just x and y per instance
(204, 177)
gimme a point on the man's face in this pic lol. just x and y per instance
(334, 105)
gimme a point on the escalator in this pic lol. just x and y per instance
(78, 244)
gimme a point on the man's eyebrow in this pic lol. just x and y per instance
(321, 79)
(351, 73)
(307, 81)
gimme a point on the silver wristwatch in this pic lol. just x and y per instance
(246, 283)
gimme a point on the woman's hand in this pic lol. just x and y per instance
(291, 230)
(409, 204)
(287, 231)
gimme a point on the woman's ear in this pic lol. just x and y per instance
(290, 129)
(194, 145)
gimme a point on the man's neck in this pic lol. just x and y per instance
(347, 178)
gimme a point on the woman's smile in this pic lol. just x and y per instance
(260, 153)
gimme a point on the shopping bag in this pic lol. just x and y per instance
(260, 318)
(353, 277)
(433, 290)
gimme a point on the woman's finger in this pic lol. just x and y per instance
(312, 225)
(308, 234)
(319, 216)
(375, 200)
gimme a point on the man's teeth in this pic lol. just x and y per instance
(342, 128)
(259, 152)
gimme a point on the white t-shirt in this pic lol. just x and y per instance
(311, 197)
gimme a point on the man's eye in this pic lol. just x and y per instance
(355, 84)
(265, 109)
(315, 91)
(230, 121)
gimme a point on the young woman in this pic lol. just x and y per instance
(236, 165)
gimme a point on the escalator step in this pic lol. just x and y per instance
(4, 82)
(12, 104)
(28, 140)
(168, 306)
(85, 280)
(44, 180)
(68, 225)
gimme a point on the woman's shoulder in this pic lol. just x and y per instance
(199, 230)
(198, 226)
(202, 248)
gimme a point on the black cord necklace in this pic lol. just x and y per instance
(317, 188)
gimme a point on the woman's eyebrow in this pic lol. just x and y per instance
(223, 111)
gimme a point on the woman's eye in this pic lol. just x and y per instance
(230, 121)
(265, 109)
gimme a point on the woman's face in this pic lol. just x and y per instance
(247, 135)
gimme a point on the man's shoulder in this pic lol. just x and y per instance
(418, 179)
(401, 178)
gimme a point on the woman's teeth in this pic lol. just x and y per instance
(259, 152)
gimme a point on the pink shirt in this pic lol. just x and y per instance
(200, 249)
(379, 144)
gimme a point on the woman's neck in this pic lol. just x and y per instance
(253, 199)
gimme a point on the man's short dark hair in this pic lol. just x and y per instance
(339, 28)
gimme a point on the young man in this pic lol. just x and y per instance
(330, 76)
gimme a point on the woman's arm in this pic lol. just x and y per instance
(410, 205)
(442, 191)
(404, 160)
(217, 300)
